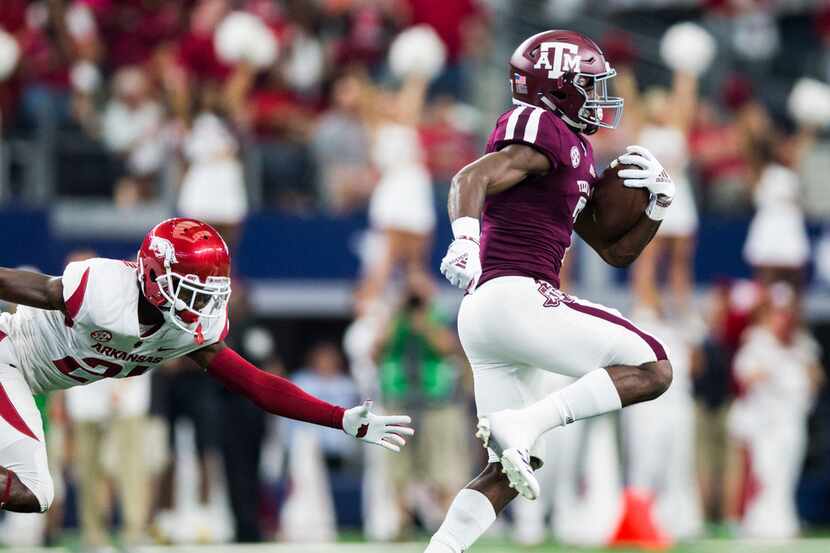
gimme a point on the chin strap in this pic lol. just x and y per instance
(4, 499)
(576, 125)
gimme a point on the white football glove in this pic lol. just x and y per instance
(652, 176)
(462, 264)
(383, 430)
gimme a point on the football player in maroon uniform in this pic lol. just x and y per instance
(513, 211)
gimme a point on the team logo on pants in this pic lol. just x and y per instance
(553, 296)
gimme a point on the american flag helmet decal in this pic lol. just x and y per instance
(519, 83)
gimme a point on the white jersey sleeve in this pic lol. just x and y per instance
(98, 336)
(75, 281)
(101, 293)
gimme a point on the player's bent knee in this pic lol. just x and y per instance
(42, 490)
(32, 489)
(662, 376)
(18, 497)
(46, 495)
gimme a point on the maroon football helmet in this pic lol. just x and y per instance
(184, 270)
(566, 72)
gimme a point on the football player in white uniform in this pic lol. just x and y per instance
(106, 318)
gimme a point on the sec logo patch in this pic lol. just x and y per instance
(101, 335)
(575, 156)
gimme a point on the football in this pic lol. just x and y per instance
(616, 207)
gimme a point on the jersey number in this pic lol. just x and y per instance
(69, 365)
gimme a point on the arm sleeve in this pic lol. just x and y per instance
(272, 393)
(534, 127)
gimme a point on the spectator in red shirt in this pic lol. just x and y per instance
(47, 48)
(283, 123)
(134, 29)
(361, 31)
(191, 65)
(448, 136)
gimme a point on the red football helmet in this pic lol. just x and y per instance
(566, 72)
(184, 270)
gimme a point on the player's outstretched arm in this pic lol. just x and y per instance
(282, 397)
(32, 289)
(489, 174)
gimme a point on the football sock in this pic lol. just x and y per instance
(470, 515)
(593, 394)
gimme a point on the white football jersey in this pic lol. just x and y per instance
(99, 336)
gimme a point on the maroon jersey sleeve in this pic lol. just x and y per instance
(533, 126)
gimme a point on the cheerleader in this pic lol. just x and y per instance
(661, 120)
(401, 209)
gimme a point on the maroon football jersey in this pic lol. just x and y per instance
(527, 228)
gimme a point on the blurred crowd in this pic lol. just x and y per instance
(127, 91)
(342, 106)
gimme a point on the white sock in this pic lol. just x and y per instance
(593, 394)
(470, 515)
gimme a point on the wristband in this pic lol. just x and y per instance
(466, 227)
(657, 207)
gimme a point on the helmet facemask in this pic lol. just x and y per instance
(187, 299)
(599, 109)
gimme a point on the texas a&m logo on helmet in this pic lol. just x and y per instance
(558, 58)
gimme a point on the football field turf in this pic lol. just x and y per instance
(704, 546)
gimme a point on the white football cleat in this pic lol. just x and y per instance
(515, 464)
(505, 433)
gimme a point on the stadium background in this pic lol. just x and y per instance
(68, 185)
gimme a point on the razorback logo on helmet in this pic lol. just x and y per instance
(181, 228)
(565, 58)
(163, 249)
